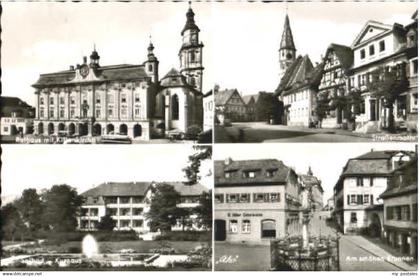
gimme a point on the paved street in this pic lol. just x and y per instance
(356, 253)
(260, 132)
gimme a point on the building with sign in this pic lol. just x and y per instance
(129, 202)
(91, 99)
(16, 117)
(255, 200)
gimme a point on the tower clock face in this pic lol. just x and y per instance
(84, 70)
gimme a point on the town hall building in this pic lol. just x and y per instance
(129, 99)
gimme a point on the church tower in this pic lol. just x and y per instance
(152, 64)
(190, 54)
(287, 51)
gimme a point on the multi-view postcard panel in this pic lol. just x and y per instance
(266, 136)
(304, 208)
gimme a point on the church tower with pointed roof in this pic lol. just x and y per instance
(190, 54)
(287, 51)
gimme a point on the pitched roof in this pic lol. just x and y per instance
(221, 97)
(287, 36)
(6, 101)
(280, 176)
(175, 79)
(103, 73)
(343, 53)
(300, 73)
(140, 189)
(248, 98)
(372, 163)
(409, 182)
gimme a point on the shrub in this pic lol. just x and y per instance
(192, 132)
(186, 236)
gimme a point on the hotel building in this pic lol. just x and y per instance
(129, 202)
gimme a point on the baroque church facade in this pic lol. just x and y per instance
(90, 99)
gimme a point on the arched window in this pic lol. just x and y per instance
(268, 228)
(192, 56)
(175, 107)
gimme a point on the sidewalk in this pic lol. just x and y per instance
(377, 251)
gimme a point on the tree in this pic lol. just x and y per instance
(204, 210)
(12, 225)
(268, 107)
(193, 169)
(163, 211)
(107, 223)
(387, 83)
(61, 208)
(30, 207)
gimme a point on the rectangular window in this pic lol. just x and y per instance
(353, 217)
(366, 199)
(61, 113)
(414, 207)
(227, 174)
(359, 199)
(98, 99)
(41, 100)
(110, 112)
(137, 199)
(123, 98)
(51, 100)
(389, 213)
(245, 198)
(72, 100)
(111, 200)
(51, 113)
(124, 200)
(218, 198)
(371, 181)
(61, 100)
(98, 113)
(246, 226)
(41, 113)
(137, 211)
(138, 223)
(261, 197)
(275, 197)
(405, 213)
(5, 129)
(233, 226)
(125, 212)
(362, 54)
(137, 98)
(381, 46)
(72, 112)
(137, 111)
(371, 50)
(111, 211)
(414, 66)
(232, 198)
(270, 173)
(124, 112)
(124, 223)
(353, 200)
(359, 182)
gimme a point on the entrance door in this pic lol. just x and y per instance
(268, 228)
(220, 230)
(372, 110)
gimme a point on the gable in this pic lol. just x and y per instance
(370, 30)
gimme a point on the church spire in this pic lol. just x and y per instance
(190, 24)
(287, 37)
(310, 171)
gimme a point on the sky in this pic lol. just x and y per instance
(326, 160)
(241, 39)
(83, 167)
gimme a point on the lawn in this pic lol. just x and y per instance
(138, 246)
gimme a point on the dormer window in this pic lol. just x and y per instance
(249, 174)
(271, 172)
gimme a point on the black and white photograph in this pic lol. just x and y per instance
(106, 73)
(316, 72)
(316, 208)
(113, 209)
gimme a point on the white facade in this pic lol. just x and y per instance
(208, 108)
(302, 104)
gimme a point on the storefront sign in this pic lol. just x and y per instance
(245, 215)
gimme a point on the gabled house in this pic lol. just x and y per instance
(230, 105)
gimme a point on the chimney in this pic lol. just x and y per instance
(228, 161)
